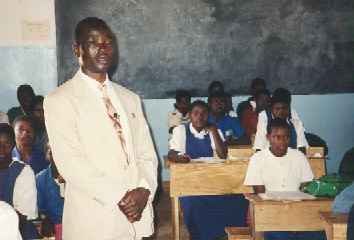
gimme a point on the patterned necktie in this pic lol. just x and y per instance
(113, 115)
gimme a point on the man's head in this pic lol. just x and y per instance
(183, 101)
(25, 96)
(256, 85)
(24, 131)
(278, 134)
(37, 110)
(94, 46)
(199, 114)
(7, 141)
(215, 87)
(262, 98)
(280, 105)
(217, 104)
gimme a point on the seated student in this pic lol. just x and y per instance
(17, 184)
(25, 96)
(280, 108)
(9, 222)
(205, 216)
(180, 115)
(230, 126)
(37, 114)
(50, 201)
(344, 200)
(249, 115)
(25, 149)
(280, 168)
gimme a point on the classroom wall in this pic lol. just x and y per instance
(27, 48)
(329, 116)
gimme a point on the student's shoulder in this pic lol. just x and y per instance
(260, 156)
(296, 154)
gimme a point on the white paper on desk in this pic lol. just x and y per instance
(207, 160)
(286, 196)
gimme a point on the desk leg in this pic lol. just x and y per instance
(329, 231)
(255, 235)
(175, 218)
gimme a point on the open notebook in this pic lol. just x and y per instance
(286, 196)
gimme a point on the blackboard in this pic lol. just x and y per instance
(306, 46)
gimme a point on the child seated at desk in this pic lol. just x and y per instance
(205, 216)
(280, 108)
(17, 184)
(180, 115)
(280, 168)
(50, 201)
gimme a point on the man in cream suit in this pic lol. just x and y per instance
(107, 159)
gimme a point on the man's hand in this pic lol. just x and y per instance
(133, 203)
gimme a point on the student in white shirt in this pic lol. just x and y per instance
(9, 223)
(181, 113)
(280, 168)
(18, 185)
(280, 108)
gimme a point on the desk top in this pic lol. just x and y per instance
(255, 199)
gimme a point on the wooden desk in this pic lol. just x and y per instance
(335, 225)
(286, 216)
(212, 179)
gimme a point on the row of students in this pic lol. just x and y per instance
(26, 193)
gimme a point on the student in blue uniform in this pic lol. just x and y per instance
(230, 126)
(205, 216)
(17, 184)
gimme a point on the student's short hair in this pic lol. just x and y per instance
(39, 99)
(257, 81)
(213, 87)
(277, 123)
(23, 118)
(180, 94)
(262, 92)
(216, 95)
(90, 23)
(199, 103)
(7, 130)
(281, 95)
(24, 88)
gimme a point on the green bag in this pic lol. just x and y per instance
(327, 186)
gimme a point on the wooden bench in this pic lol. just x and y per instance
(335, 225)
(238, 233)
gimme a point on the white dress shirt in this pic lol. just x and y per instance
(25, 193)
(9, 223)
(178, 139)
(261, 141)
(278, 173)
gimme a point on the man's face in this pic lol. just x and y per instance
(217, 105)
(199, 117)
(280, 110)
(6, 146)
(279, 141)
(183, 105)
(96, 51)
(262, 102)
(24, 133)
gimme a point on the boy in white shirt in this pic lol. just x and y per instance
(280, 168)
(181, 113)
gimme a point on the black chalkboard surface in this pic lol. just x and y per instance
(306, 46)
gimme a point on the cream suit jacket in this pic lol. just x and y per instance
(83, 142)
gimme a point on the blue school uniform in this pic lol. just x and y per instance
(37, 160)
(8, 178)
(207, 216)
(49, 201)
(228, 125)
(344, 200)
